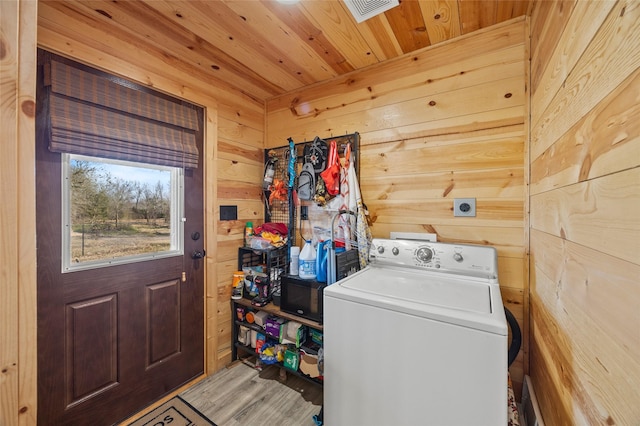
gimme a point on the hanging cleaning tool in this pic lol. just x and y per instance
(269, 171)
(292, 163)
(268, 179)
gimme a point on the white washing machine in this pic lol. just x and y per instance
(418, 337)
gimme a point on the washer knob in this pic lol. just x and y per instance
(458, 257)
(381, 249)
(424, 254)
(395, 251)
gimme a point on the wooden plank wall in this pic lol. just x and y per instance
(234, 136)
(585, 195)
(445, 123)
(18, 404)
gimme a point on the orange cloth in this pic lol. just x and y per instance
(275, 239)
(278, 191)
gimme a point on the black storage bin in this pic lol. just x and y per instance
(347, 263)
(273, 261)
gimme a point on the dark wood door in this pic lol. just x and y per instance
(112, 340)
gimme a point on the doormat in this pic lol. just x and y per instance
(174, 412)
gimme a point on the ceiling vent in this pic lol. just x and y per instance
(365, 9)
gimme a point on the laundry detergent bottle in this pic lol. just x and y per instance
(307, 262)
(321, 261)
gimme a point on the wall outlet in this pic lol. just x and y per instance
(465, 207)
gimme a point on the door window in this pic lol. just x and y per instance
(118, 212)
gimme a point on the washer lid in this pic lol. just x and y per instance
(462, 301)
(419, 288)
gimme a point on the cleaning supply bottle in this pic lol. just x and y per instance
(237, 285)
(307, 263)
(321, 261)
(248, 232)
(295, 259)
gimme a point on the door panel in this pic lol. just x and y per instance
(91, 348)
(114, 339)
(163, 313)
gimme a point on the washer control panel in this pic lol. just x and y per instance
(459, 259)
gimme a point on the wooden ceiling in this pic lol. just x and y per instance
(265, 48)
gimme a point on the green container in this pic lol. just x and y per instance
(291, 360)
(316, 336)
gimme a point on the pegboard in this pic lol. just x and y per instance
(284, 211)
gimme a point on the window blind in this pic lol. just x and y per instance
(92, 115)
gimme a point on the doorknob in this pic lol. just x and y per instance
(198, 254)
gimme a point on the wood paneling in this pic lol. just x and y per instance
(445, 122)
(439, 67)
(603, 141)
(265, 48)
(18, 405)
(598, 213)
(475, 15)
(10, 13)
(577, 283)
(340, 30)
(409, 26)
(442, 19)
(569, 46)
(603, 65)
(547, 21)
(585, 186)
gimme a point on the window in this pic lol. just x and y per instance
(119, 212)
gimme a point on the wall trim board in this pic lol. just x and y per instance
(18, 354)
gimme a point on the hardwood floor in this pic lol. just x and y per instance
(242, 395)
